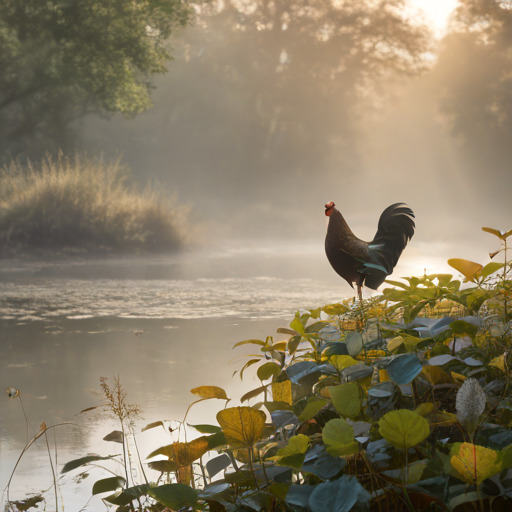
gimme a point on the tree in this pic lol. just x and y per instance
(475, 73)
(265, 96)
(62, 59)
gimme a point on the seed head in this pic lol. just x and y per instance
(470, 404)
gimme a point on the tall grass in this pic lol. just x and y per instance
(83, 205)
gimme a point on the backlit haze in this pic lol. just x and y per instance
(256, 145)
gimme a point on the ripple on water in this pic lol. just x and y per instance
(258, 297)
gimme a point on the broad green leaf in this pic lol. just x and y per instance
(174, 496)
(346, 400)
(282, 391)
(342, 362)
(403, 428)
(395, 344)
(476, 463)
(268, 370)
(296, 444)
(249, 342)
(206, 429)
(210, 392)
(216, 440)
(293, 344)
(316, 327)
(314, 406)
(108, 484)
(76, 463)
(335, 309)
(242, 425)
(338, 437)
(277, 406)
(296, 325)
(342, 495)
(469, 269)
(490, 268)
(461, 327)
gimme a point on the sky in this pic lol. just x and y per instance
(437, 12)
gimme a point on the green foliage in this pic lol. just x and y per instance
(382, 429)
(63, 59)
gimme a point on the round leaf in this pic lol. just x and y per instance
(341, 495)
(338, 437)
(346, 400)
(403, 428)
(174, 496)
(268, 370)
(487, 463)
(469, 269)
(242, 425)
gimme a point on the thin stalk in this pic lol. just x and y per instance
(138, 455)
(203, 472)
(124, 455)
(53, 473)
(24, 414)
(28, 445)
(252, 468)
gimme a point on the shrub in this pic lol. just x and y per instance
(83, 205)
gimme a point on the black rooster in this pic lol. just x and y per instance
(368, 263)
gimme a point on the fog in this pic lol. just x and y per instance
(256, 127)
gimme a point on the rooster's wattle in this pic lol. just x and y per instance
(368, 263)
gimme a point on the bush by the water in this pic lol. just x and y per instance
(83, 205)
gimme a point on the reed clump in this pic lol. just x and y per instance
(84, 205)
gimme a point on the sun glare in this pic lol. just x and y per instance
(437, 12)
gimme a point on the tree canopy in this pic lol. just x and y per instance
(61, 59)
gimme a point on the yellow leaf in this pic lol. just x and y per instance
(210, 392)
(436, 375)
(469, 269)
(242, 425)
(494, 232)
(500, 363)
(424, 409)
(476, 463)
(444, 419)
(184, 453)
(282, 391)
(342, 362)
(383, 376)
(458, 376)
(395, 343)
(280, 346)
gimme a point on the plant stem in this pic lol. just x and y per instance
(24, 414)
(53, 473)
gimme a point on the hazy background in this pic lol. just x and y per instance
(271, 109)
(263, 118)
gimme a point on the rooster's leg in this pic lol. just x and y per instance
(360, 292)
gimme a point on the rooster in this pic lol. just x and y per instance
(368, 263)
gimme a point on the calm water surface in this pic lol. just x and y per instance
(64, 324)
